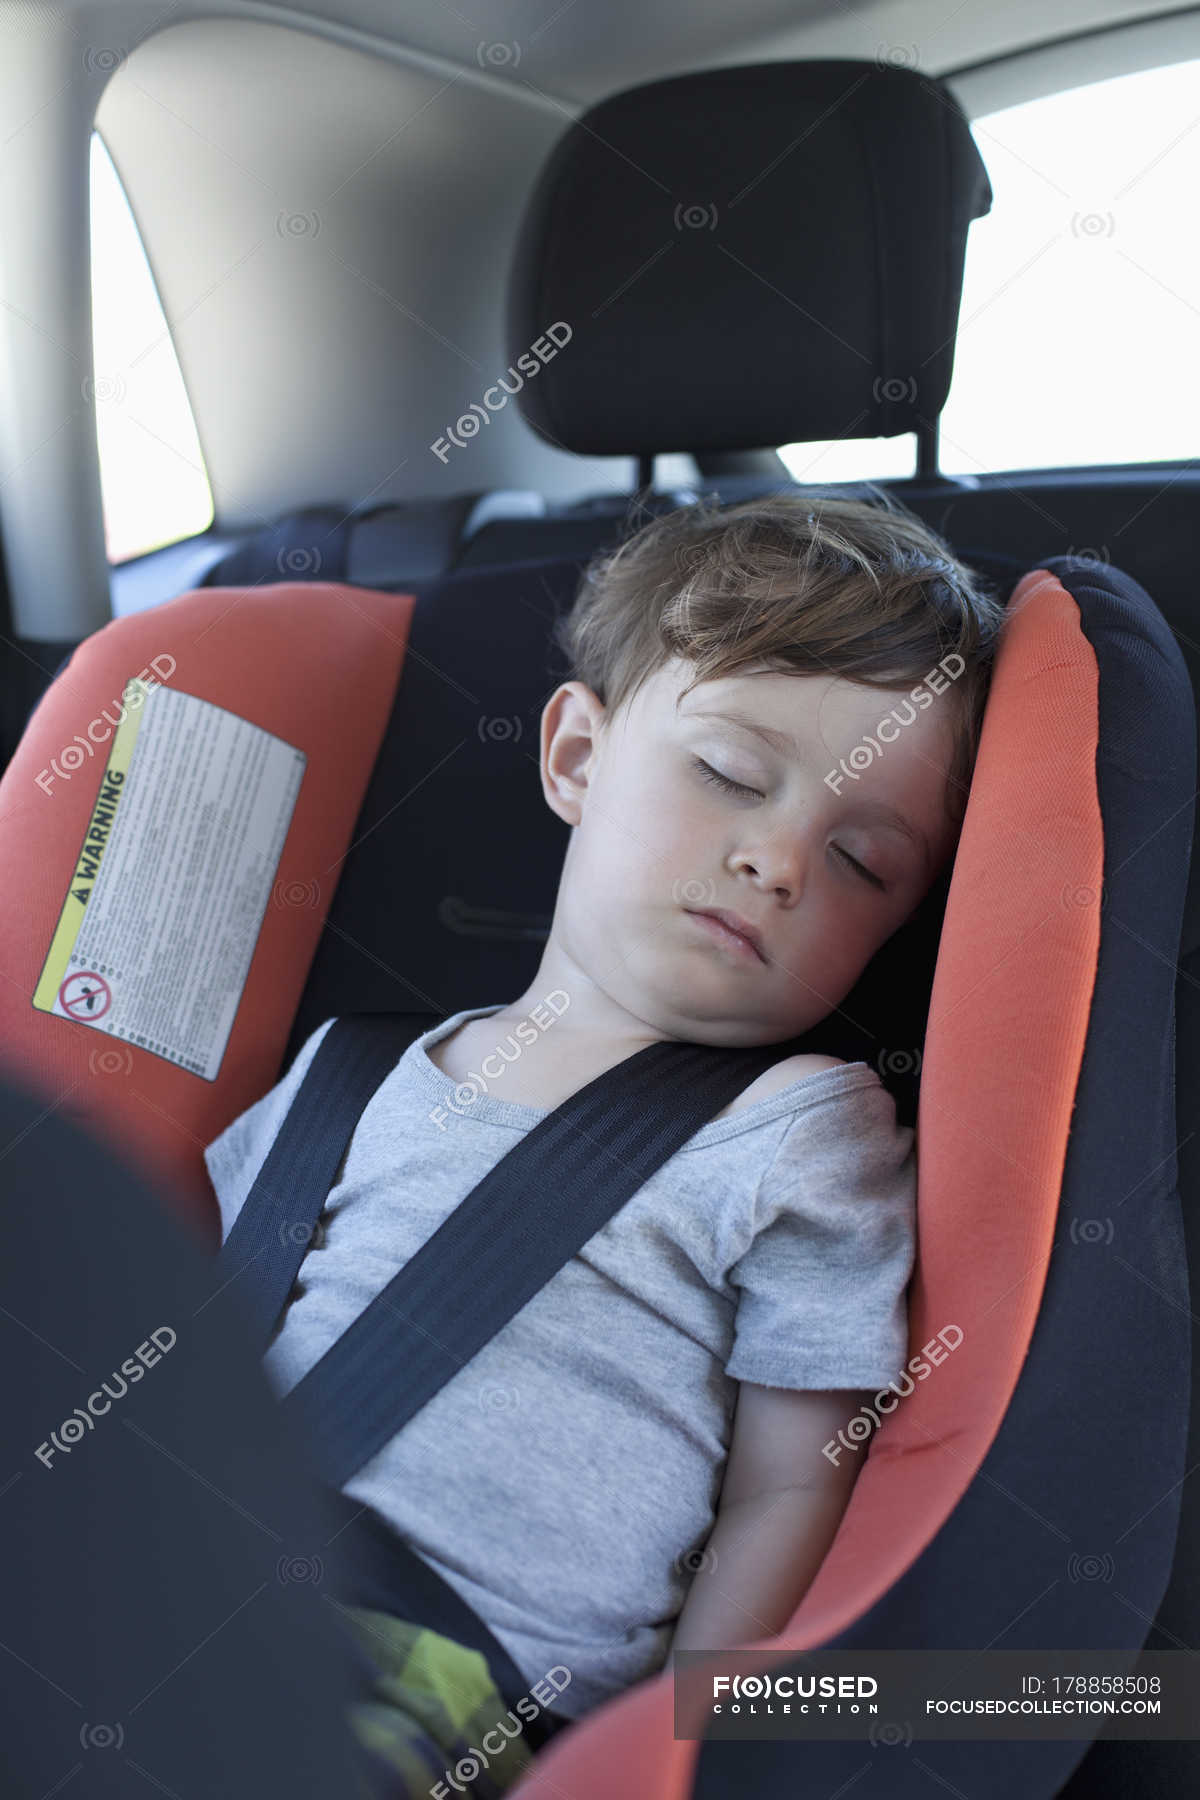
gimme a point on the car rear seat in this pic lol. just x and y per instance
(397, 541)
(410, 543)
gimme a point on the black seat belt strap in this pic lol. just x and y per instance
(383, 1573)
(557, 1186)
(273, 1232)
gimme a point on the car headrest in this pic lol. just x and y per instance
(184, 799)
(746, 257)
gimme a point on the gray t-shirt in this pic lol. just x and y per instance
(559, 1480)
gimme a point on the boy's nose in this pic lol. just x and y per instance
(779, 865)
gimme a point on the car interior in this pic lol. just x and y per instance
(457, 302)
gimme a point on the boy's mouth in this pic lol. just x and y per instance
(729, 929)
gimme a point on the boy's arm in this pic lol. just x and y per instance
(781, 1503)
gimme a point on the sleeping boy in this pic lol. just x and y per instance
(764, 752)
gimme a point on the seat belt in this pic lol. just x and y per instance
(557, 1186)
(381, 1572)
(273, 1232)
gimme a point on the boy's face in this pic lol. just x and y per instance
(658, 840)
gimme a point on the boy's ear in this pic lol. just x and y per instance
(572, 725)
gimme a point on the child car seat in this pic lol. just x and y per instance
(1045, 1099)
(1038, 1048)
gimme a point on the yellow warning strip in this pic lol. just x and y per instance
(95, 842)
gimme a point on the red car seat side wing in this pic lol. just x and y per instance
(179, 810)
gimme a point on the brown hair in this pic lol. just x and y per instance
(805, 583)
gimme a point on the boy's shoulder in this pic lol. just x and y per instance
(778, 1076)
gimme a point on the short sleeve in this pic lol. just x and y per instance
(822, 1285)
(234, 1159)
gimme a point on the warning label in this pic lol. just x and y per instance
(158, 927)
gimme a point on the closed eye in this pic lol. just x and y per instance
(865, 873)
(740, 787)
(723, 781)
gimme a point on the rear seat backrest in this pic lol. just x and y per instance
(396, 542)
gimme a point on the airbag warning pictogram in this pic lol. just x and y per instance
(85, 996)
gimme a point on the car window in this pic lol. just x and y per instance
(152, 476)
(1081, 291)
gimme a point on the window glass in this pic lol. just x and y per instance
(1081, 291)
(852, 459)
(152, 476)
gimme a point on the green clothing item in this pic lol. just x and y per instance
(432, 1704)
